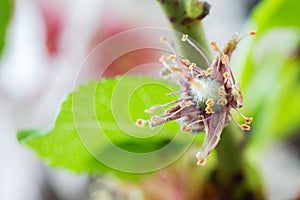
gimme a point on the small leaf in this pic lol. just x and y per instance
(95, 131)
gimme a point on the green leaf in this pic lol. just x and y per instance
(95, 131)
(5, 15)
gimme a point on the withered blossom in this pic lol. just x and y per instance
(207, 95)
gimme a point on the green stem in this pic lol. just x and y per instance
(232, 176)
(186, 22)
(230, 156)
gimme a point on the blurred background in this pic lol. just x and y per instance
(45, 44)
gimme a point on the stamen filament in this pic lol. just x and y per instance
(185, 38)
(165, 41)
(174, 113)
(178, 92)
(192, 111)
(248, 120)
(243, 127)
(251, 33)
(195, 122)
(153, 108)
(234, 120)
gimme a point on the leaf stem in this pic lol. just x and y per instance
(230, 156)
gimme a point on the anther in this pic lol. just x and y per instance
(184, 37)
(208, 110)
(201, 158)
(165, 72)
(162, 58)
(225, 59)
(245, 127)
(251, 33)
(214, 45)
(201, 162)
(248, 120)
(171, 57)
(227, 75)
(209, 102)
(163, 40)
(192, 66)
(209, 71)
(140, 122)
(182, 104)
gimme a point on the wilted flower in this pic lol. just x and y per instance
(207, 95)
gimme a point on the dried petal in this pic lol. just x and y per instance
(213, 128)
